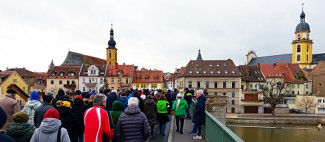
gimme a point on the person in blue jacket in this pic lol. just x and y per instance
(199, 112)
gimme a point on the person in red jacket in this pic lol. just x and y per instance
(96, 121)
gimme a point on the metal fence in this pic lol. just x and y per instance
(216, 131)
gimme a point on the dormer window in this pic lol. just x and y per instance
(156, 78)
(138, 77)
(224, 64)
(70, 73)
(40, 81)
(226, 72)
(53, 73)
(190, 71)
(61, 73)
(233, 72)
(218, 72)
(146, 78)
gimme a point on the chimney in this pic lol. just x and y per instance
(124, 63)
(258, 66)
(247, 70)
(274, 64)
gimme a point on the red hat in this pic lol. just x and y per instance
(78, 97)
(52, 113)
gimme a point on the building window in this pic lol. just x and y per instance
(207, 84)
(298, 48)
(307, 48)
(306, 86)
(14, 80)
(154, 86)
(232, 102)
(68, 82)
(224, 85)
(293, 92)
(190, 84)
(40, 81)
(224, 94)
(89, 80)
(83, 80)
(319, 100)
(60, 82)
(146, 78)
(52, 81)
(119, 80)
(298, 58)
(112, 80)
(137, 86)
(233, 94)
(83, 89)
(70, 73)
(72, 82)
(233, 84)
(138, 77)
(156, 78)
(61, 73)
(101, 80)
(297, 92)
(198, 84)
(53, 73)
(250, 86)
(306, 92)
(298, 85)
(110, 53)
(126, 80)
(215, 84)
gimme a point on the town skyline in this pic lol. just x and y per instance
(154, 35)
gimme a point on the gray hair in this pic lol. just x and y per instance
(99, 99)
(133, 101)
(180, 95)
(199, 91)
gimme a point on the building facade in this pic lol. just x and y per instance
(120, 77)
(148, 79)
(92, 77)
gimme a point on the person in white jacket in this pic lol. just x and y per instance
(33, 103)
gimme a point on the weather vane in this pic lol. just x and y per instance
(302, 5)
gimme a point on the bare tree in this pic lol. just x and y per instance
(274, 93)
(307, 102)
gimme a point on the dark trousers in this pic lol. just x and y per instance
(152, 128)
(178, 118)
(199, 127)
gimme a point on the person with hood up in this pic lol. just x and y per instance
(162, 114)
(117, 110)
(79, 109)
(59, 96)
(69, 120)
(50, 129)
(123, 98)
(40, 111)
(111, 97)
(180, 106)
(10, 105)
(150, 109)
(3, 119)
(33, 103)
(132, 116)
(20, 130)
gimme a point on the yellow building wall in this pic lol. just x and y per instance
(56, 86)
(116, 84)
(111, 60)
(18, 81)
(304, 63)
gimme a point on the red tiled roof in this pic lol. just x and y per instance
(4, 75)
(251, 73)
(65, 70)
(24, 73)
(270, 71)
(290, 72)
(101, 68)
(40, 75)
(170, 77)
(126, 70)
(92, 60)
(150, 75)
(211, 68)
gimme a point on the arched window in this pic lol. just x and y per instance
(298, 48)
(307, 48)
(110, 53)
(298, 58)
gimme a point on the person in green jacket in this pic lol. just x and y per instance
(20, 130)
(162, 114)
(117, 110)
(180, 106)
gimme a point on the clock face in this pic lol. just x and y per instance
(298, 35)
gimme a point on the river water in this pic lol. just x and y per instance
(278, 133)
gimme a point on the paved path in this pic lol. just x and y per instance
(176, 137)
(158, 137)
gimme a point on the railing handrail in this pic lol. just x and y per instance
(224, 127)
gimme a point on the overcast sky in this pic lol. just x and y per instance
(156, 34)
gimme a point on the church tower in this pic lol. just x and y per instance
(302, 46)
(111, 50)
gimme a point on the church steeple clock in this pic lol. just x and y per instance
(302, 46)
(111, 50)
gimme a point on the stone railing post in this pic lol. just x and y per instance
(216, 106)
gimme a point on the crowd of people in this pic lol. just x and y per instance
(117, 116)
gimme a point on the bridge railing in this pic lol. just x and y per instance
(216, 131)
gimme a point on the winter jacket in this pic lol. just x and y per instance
(21, 132)
(3, 119)
(109, 101)
(199, 111)
(96, 122)
(30, 108)
(133, 125)
(117, 110)
(59, 96)
(10, 106)
(79, 109)
(150, 109)
(124, 101)
(70, 122)
(39, 113)
(180, 106)
(162, 106)
(48, 131)
(188, 98)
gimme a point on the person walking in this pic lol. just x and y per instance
(10, 105)
(162, 114)
(69, 120)
(40, 111)
(180, 106)
(117, 110)
(188, 98)
(96, 121)
(199, 112)
(50, 129)
(79, 108)
(123, 98)
(33, 103)
(150, 109)
(133, 126)
(20, 130)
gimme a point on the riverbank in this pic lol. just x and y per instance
(295, 119)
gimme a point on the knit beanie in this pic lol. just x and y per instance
(34, 96)
(20, 117)
(78, 97)
(52, 113)
(78, 92)
(61, 93)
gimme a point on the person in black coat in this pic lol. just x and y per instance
(59, 96)
(69, 120)
(199, 112)
(79, 108)
(3, 119)
(188, 98)
(40, 111)
(109, 101)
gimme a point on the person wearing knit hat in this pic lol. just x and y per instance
(49, 129)
(40, 111)
(79, 108)
(20, 130)
(59, 96)
(78, 92)
(32, 104)
(78, 97)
